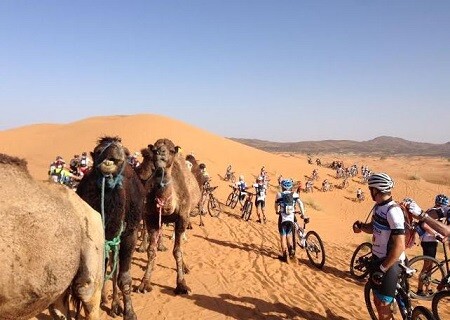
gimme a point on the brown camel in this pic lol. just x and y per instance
(172, 195)
(113, 188)
(52, 243)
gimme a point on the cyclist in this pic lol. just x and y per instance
(429, 238)
(285, 203)
(85, 163)
(438, 226)
(388, 242)
(359, 194)
(242, 187)
(260, 201)
(228, 173)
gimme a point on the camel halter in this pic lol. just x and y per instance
(114, 244)
(110, 245)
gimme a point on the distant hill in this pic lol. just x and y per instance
(383, 145)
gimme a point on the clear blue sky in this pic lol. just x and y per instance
(274, 70)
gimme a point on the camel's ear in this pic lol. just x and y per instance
(177, 149)
(150, 147)
(92, 154)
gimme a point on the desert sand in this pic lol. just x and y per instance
(235, 273)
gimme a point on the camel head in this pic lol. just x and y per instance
(163, 154)
(109, 156)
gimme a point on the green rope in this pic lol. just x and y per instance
(110, 245)
(113, 245)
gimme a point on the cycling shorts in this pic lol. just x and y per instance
(285, 228)
(385, 292)
(260, 203)
(429, 248)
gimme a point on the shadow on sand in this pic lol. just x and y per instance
(246, 308)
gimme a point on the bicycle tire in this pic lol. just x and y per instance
(315, 247)
(214, 206)
(359, 267)
(421, 313)
(369, 301)
(441, 305)
(234, 201)
(433, 277)
(229, 199)
(247, 210)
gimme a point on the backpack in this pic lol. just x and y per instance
(410, 230)
(287, 198)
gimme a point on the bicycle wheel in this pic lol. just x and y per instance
(359, 264)
(441, 305)
(368, 298)
(229, 199)
(247, 211)
(214, 206)
(314, 249)
(428, 280)
(233, 178)
(422, 313)
(234, 201)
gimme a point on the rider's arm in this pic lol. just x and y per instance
(396, 250)
(437, 225)
(302, 208)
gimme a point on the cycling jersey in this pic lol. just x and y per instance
(241, 186)
(260, 191)
(388, 220)
(287, 207)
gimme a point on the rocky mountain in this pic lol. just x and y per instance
(384, 145)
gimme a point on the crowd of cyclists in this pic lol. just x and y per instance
(387, 224)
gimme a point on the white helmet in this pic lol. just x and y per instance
(241, 178)
(381, 182)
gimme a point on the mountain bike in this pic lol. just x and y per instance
(248, 206)
(402, 300)
(229, 176)
(441, 300)
(233, 197)
(431, 278)
(311, 242)
(359, 264)
(213, 204)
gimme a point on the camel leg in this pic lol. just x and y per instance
(161, 246)
(116, 308)
(182, 287)
(60, 308)
(144, 236)
(151, 255)
(127, 245)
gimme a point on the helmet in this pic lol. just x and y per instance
(259, 178)
(441, 199)
(381, 182)
(286, 184)
(241, 178)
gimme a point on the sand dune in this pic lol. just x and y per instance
(234, 270)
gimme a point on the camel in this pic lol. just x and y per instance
(113, 188)
(172, 194)
(51, 244)
(201, 180)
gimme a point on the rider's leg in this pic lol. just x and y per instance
(263, 204)
(385, 292)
